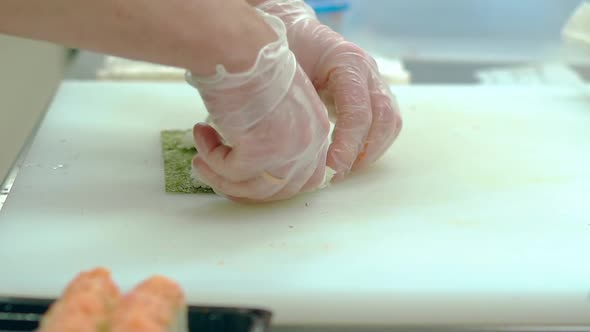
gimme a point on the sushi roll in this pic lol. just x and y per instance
(85, 305)
(155, 305)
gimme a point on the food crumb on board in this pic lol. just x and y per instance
(306, 204)
(291, 226)
(220, 263)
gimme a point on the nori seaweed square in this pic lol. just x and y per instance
(177, 164)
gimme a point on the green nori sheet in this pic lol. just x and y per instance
(177, 164)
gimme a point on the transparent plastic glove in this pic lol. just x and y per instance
(367, 116)
(272, 131)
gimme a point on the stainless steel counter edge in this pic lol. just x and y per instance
(434, 328)
(10, 177)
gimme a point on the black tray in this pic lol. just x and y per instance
(23, 314)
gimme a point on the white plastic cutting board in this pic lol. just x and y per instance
(480, 213)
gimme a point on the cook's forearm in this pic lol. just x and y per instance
(191, 34)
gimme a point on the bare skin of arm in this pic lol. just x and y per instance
(192, 34)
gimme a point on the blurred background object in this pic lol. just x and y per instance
(432, 41)
(450, 42)
(576, 32)
(330, 12)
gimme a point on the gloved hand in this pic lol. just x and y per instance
(273, 128)
(367, 116)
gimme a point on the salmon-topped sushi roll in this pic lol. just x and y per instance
(85, 305)
(155, 305)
